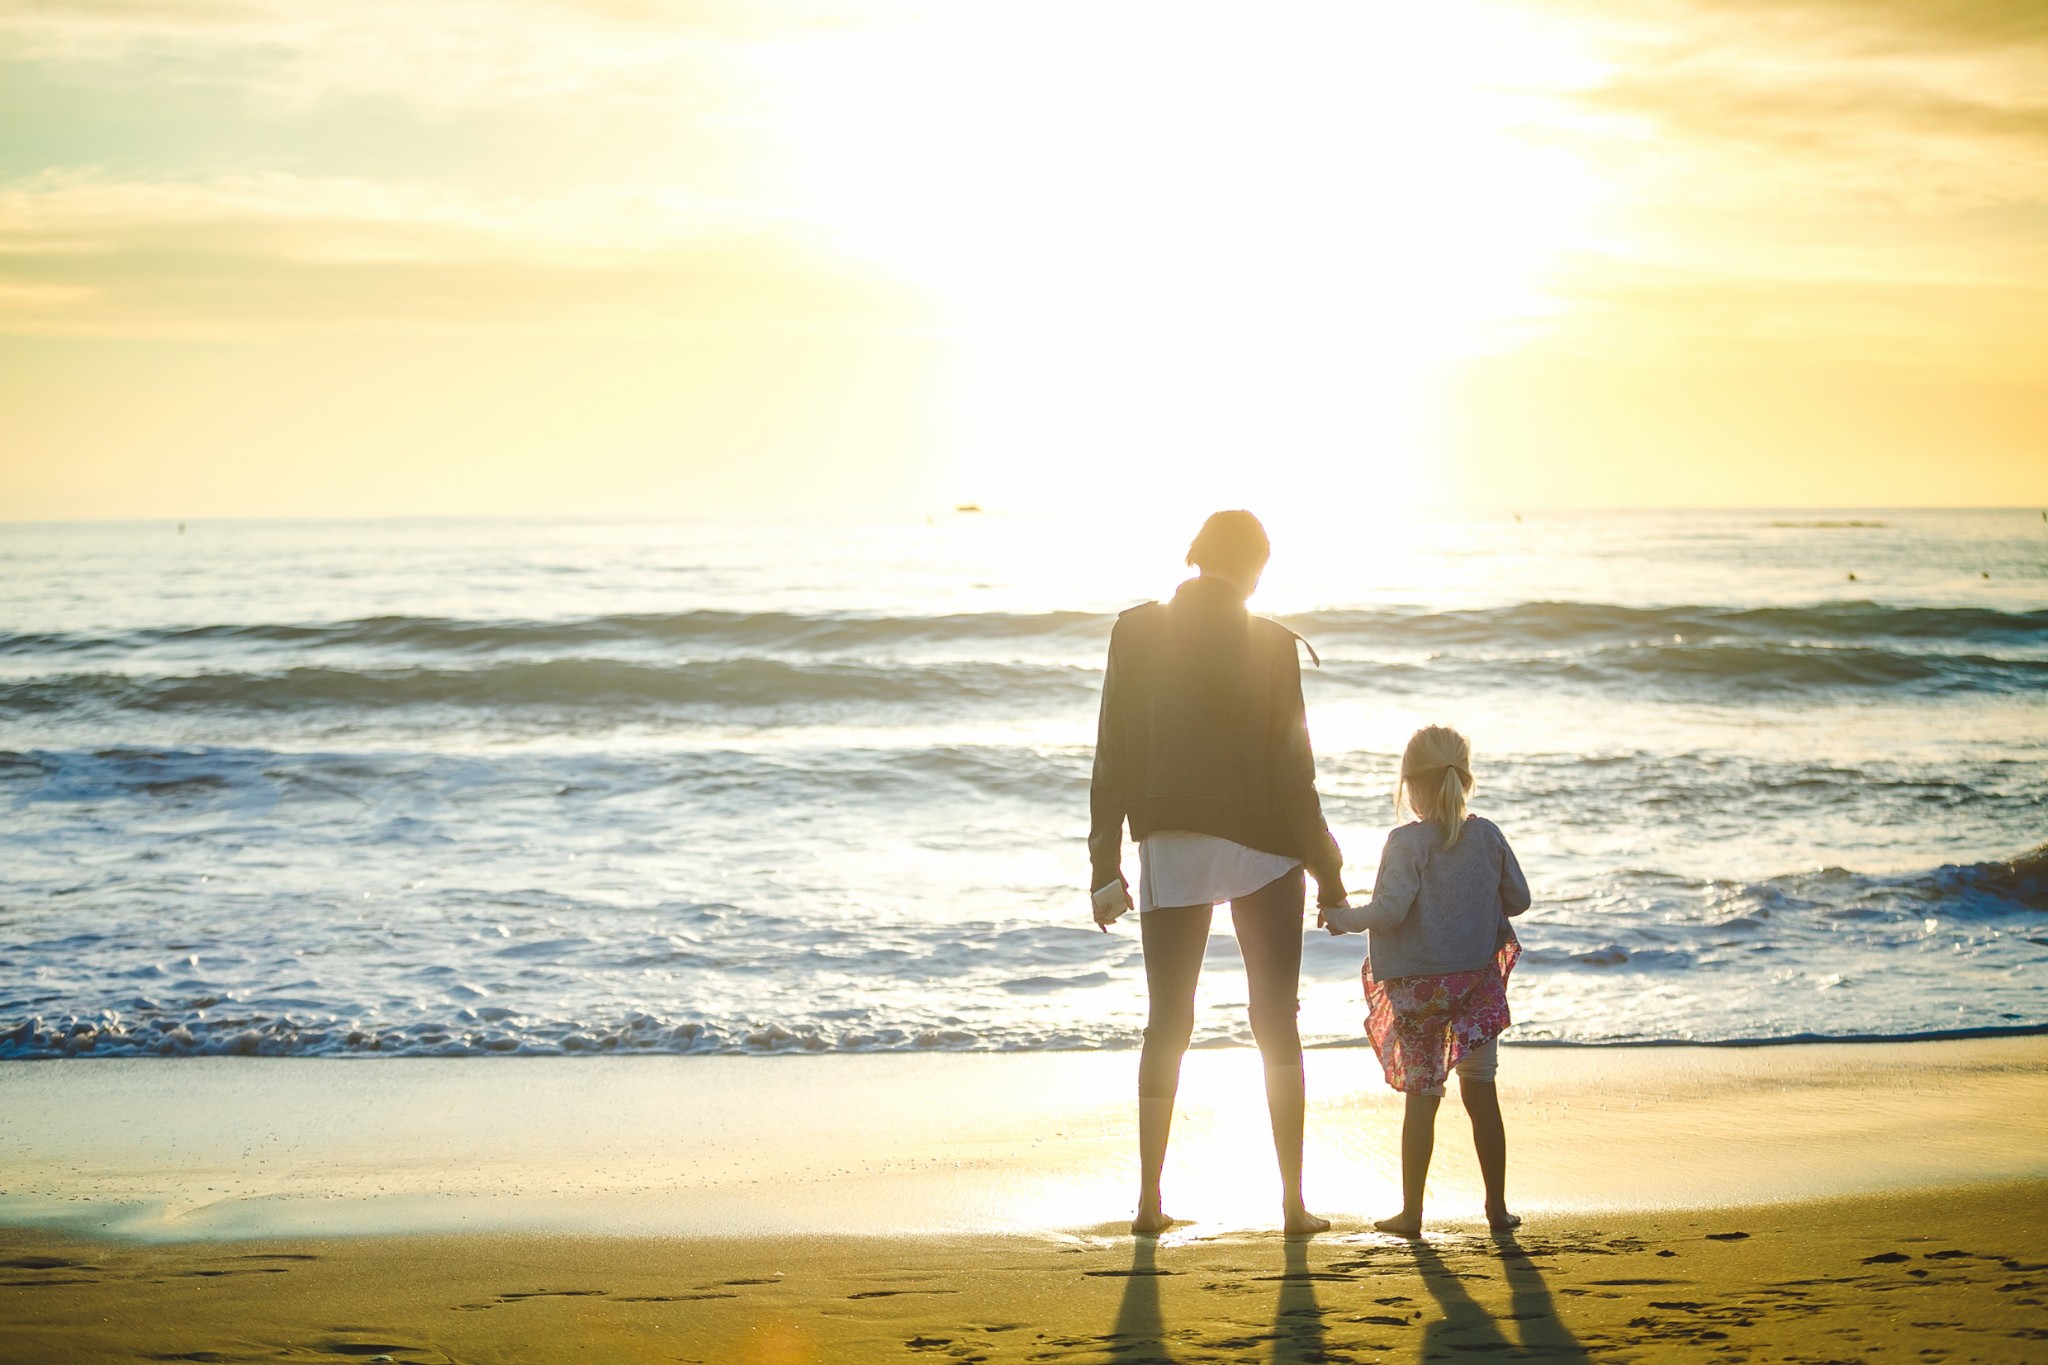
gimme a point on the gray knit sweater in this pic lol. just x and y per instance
(1434, 909)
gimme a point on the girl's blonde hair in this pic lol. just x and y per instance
(1437, 762)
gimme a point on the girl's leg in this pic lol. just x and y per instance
(1174, 941)
(1418, 1142)
(1490, 1140)
(1268, 924)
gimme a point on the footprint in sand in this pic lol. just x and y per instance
(376, 1350)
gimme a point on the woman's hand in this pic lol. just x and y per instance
(1330, 895)
(1112, 902)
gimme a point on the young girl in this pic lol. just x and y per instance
(1436, 970)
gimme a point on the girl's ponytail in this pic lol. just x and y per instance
(1450, 804)
(1438, 761)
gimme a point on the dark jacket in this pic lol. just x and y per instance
(1203, 729)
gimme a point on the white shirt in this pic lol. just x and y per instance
(1180, 867)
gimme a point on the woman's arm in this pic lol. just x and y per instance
(1295, 783)
(1108, 801)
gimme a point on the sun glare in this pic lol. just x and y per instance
(1247, 249)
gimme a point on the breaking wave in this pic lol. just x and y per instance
(1541, 625)
(548, 991)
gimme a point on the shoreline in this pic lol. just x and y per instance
(10, 1057)
(890, 1144)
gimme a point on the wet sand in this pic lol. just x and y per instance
(1864, 1202)
(220, 1148)
(1959, 1275)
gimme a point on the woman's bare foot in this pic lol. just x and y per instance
(1500, 1220)
(1300, 1223)
(1402, 1224)
(1151, 1220)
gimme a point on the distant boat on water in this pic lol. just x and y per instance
(968, 507)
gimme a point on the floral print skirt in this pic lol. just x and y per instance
(1421, 1026)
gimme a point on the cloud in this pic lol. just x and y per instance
(1912, 27)
(1927, 107)
(255, 255)
(1817, 179)
(1657, 314)
(446, 53)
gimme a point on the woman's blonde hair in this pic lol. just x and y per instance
(1438, 763)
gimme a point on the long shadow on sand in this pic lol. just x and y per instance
(1297, 1317)
(1138, 1337)
(1467, 1328)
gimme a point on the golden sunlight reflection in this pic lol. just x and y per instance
(1219, 1174)
(1246, 249)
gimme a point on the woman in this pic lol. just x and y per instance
(1203, 748)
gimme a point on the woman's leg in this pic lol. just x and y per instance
(1268, 924)
(1174, 941)
(1418, 1143)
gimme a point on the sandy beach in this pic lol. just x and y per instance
(1954, 1275)
(1828, 1202)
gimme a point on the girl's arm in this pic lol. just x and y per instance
(1514, 887)
(1393, 895)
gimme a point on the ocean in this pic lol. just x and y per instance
(404, 788)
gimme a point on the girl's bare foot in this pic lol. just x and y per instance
(1500, 1220)
(1403, 1224)
(1151, 1221)
(1300, 1222)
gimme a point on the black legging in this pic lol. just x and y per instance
(1268, 925)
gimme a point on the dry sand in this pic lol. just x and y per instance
(1891, 1203)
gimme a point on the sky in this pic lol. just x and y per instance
(632, 257)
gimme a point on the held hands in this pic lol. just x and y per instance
(1112, 901)
(1340, 918)
(1338, 913)
(1330, 895)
